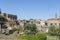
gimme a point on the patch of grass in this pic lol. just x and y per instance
(28, 37)
(52, 38)
(32, 37)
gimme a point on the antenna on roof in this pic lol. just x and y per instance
(0, 11)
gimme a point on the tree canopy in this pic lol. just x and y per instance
(2, 19)
(30, 28)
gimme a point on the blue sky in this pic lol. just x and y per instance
(35, 9)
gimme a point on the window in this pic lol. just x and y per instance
(8, 16)
(17, 22)
(38, 22)
(59, 23)
(55, 23)
(51, 24)
(4, 14)
(46, 24)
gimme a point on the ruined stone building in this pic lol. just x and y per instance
(9, 21)
(43, 25)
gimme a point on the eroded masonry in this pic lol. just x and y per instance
(9, 21)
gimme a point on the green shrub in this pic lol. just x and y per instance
(41, 36)
(28, 37)
(16, 29)
(30, 28)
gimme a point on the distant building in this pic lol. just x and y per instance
(10, 16)
(42, 25)
(11, 21)
(53, 21)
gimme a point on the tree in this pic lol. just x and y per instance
(2, 19)
(33, 28)
(58, 31)
(17, 29)
(30, 28)
(52, 30)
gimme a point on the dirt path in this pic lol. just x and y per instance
(6, 37)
